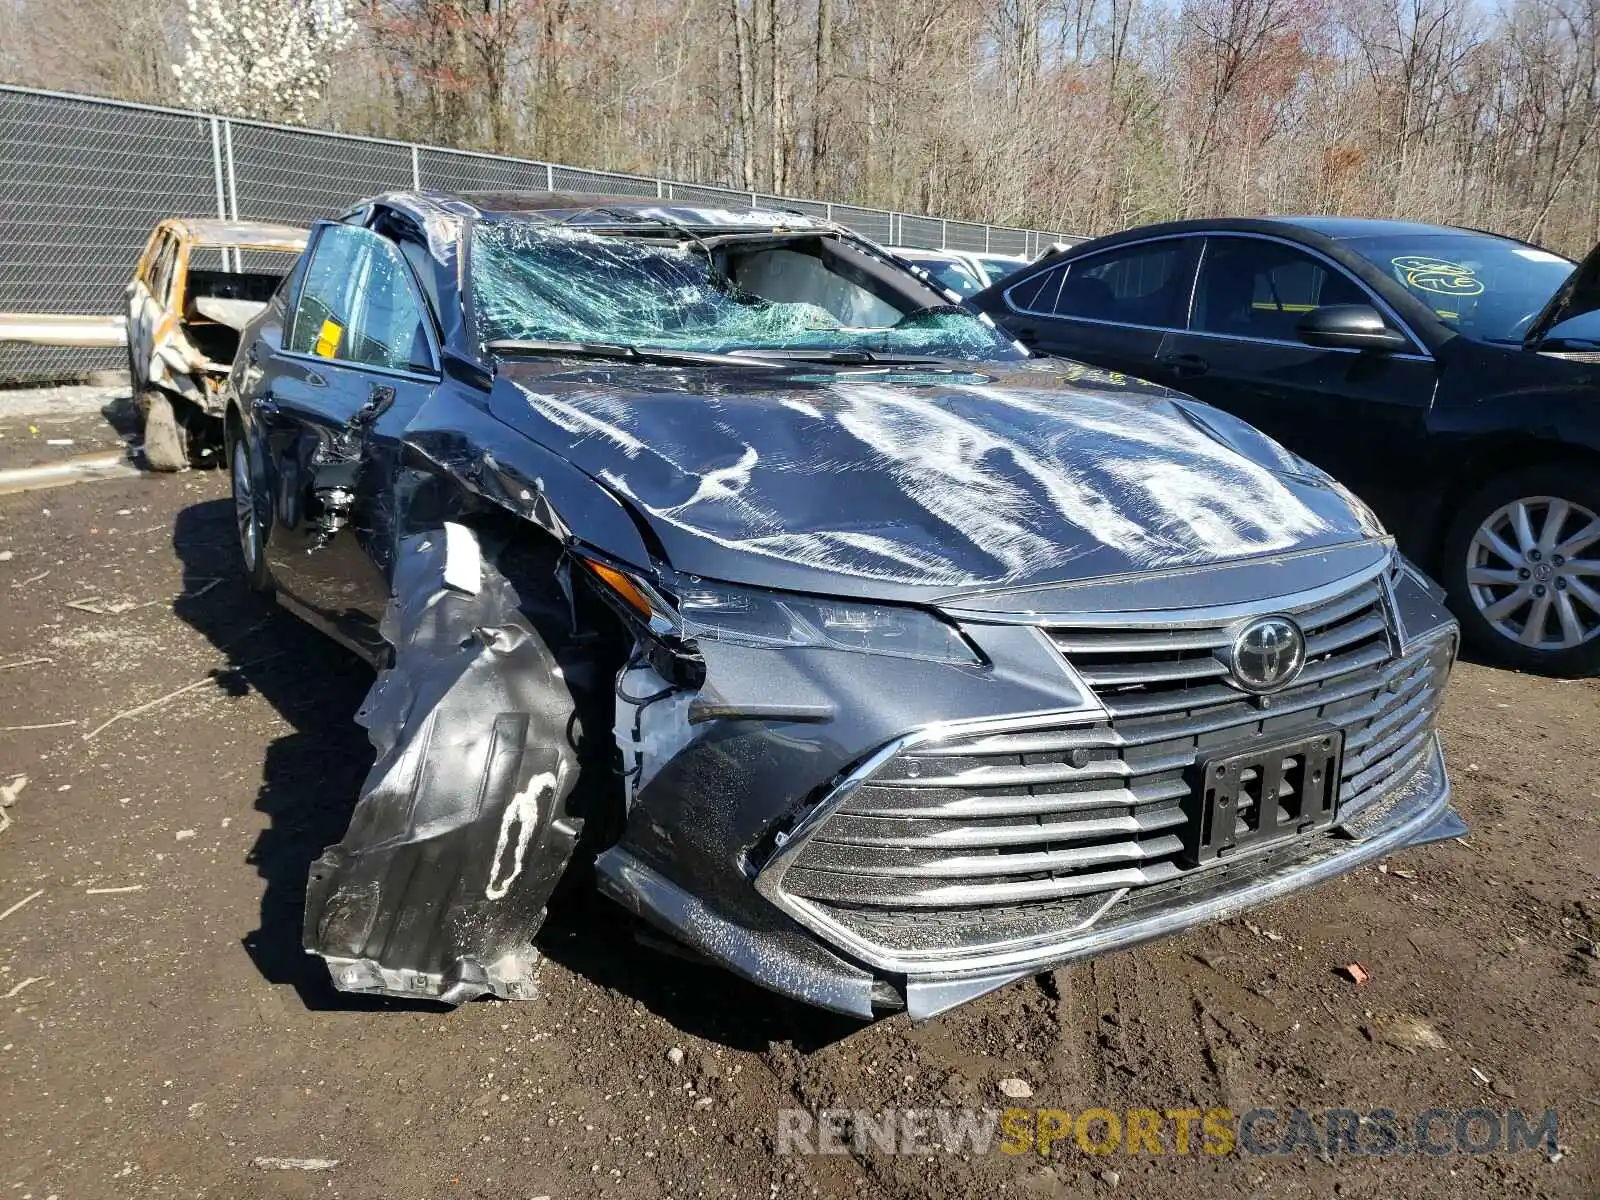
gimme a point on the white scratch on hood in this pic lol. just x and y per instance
(1027, 478)
(722, 483)
(582, 422)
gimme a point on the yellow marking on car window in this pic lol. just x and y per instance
(328, 339)
(1425, 273)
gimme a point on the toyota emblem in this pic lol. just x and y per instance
(1267, 655)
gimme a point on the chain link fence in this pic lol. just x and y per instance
(83, 181)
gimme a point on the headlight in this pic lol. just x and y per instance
(749, 617)
(721, 612)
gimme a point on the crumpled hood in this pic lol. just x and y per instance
(913, 486)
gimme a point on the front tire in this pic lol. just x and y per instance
(252, 514)
(1522, 569)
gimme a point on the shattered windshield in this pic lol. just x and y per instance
(535, 282)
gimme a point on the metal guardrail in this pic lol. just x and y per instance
(83, 181)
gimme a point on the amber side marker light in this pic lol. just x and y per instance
(622, 586)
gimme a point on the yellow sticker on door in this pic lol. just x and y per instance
(328, 339)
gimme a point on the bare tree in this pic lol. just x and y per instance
(1081, 115)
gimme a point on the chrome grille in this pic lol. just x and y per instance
(1137, 672)
(1008, 829)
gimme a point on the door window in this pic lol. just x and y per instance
(1038, 294)
(1252, 287)
(1141, 285)
(1134, 285)
(358, 305)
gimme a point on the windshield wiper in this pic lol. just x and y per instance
(618, 352)
(841, 357)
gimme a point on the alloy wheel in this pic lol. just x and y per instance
(244, 506)
(1533, 571)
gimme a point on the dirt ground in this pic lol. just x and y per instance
(161, 1031)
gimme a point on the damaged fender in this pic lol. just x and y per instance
(477, 450)
(462, 827)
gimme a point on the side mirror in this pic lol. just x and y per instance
(1350, 327)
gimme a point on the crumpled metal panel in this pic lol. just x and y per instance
(462, 829)
(793, 966)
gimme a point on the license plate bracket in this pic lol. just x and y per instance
(1248, 797)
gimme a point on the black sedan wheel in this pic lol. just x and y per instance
(1523, 570)
(252, 513)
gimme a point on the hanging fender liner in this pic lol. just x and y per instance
(462, 828)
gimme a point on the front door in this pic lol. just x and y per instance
(356, 362)
(147, 301)
(1359, 415)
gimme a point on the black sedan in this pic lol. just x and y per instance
(863, 652)
(1450, 377)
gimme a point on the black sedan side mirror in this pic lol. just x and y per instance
(1350, 327)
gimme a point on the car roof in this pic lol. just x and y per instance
(511, 203)
(439, 214)
(1340, 228)
(588, 208)
(1329, 228)
(1318, 232)
(258, 235)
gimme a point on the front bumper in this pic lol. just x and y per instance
(790, 963)
(848, 864)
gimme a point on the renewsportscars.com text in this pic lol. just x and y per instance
(1376, 1132)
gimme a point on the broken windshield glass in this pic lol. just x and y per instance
(535, 282)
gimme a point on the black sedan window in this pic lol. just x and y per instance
(1141, 284)
(1485, 287)
(536, 282)
(1252, 287)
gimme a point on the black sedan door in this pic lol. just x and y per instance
(1359, 415)
(357, 361)
(1110, 309)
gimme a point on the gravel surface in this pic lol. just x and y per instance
(162, 1034)
(46, 425)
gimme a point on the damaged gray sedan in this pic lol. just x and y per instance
(843, 641)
